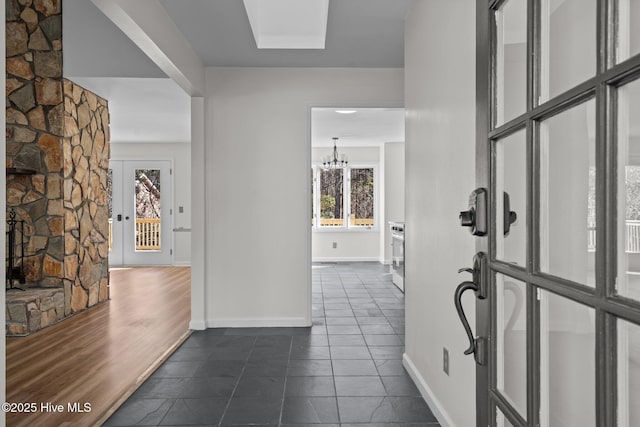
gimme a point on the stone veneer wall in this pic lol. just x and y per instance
(86, 211)
(61, 131)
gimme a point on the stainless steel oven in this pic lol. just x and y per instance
(397, 254)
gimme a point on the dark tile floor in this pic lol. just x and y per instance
(344, 371)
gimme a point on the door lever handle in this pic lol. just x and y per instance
(457, 299)
(477, 346)
(466, 270)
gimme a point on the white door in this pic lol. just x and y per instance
(140, 213)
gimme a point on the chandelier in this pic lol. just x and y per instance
(334, 161)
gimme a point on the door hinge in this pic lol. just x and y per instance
(170, 211)
(170, 251)
(170, 171)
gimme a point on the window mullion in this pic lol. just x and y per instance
(347, 199)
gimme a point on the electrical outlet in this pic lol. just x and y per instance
(335, 245)
(445, 360)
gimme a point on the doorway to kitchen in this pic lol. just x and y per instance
(357, 183)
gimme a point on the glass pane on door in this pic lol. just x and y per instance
(567, 194)
(147, 209)
(628, 29)
(511, 341)
(511, 182)
(568, 45)
(567, 362)
(511, 60)
(628, 283)
(628, 374)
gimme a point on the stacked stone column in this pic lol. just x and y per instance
(60, 131)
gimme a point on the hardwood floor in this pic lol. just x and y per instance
(100, 356)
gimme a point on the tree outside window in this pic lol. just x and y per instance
(339, 205)
(362, 197)
(332, 198)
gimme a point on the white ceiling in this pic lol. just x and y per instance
(366, 127)
(95, 47)
(360, 33)
(144, 110)
(99, 56)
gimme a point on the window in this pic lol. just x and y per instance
(362, 197)
(343, 198)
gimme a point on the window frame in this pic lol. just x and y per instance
(346, 200)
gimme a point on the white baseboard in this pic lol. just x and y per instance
(345, 259)
(436, 407)
(285, 322)
(182, 263)
(197, 325)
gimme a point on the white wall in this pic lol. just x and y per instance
(394, 186)
(440, 153)
(353, 245)
(180, 155)
(258, 156)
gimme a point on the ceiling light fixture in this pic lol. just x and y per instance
(334, 161)
(346, 111)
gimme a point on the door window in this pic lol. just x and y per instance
(628, 144)
(511, 321)
(147, 210)
(567, 194)
(568, 45)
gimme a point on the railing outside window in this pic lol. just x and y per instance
(632, 237)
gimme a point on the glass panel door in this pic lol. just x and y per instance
(558, 152)
(141, 214)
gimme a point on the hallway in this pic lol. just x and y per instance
(346, 370)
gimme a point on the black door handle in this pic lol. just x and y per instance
(119, 217)
(457, 299)
(127, 218)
